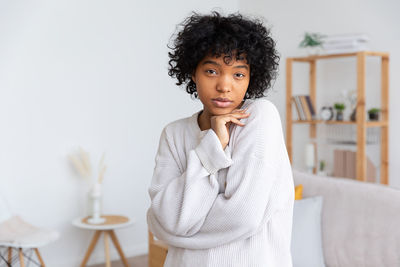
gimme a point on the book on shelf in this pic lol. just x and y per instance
(344, 38)
(297, 107)
(351, 164)
(300, 113)
(345, 43)
(304, 107)
(344, 165)
(371, 171)
(311, 107)
(345, 50)
(338, 170)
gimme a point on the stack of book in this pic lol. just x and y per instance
(344, 165)
(304, 107)
(345, 43)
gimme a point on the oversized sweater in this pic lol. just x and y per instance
(229, 207)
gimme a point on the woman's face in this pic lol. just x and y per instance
(221, 86)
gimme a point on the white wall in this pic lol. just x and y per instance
(379, 19)
(90, 74)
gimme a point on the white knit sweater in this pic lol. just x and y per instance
(220, 208)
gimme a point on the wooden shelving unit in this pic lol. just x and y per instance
(361, 119)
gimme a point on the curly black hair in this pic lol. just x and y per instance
(233, 36)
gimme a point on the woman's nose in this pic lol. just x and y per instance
(224, 84)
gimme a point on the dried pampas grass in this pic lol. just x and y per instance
(81, 163)
(102, 169)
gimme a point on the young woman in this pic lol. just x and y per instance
(222, 192)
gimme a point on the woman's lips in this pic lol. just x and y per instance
(221, 104)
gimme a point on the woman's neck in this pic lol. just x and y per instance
(204, 120)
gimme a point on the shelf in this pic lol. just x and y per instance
(312, 58)
(342, 142)
(359, 131)
(368, 123)
(345, 143)
(377, 124)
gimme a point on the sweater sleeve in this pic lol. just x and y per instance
(238, 213)
(180, 200)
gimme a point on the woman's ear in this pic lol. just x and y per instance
(193, 78)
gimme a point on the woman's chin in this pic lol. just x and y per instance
(221, 111)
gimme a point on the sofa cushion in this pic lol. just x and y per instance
(306, 243)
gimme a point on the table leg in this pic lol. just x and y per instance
(21, 258)
(91, 247)
(107, 249)
(39, 257)
(118, 247)
(9, 255)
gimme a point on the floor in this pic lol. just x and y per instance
(138, 261)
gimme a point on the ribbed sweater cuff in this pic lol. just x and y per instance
(211, 154)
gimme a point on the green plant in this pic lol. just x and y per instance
(339, 106)
(374, 110)
(322, 165)
(311, 40)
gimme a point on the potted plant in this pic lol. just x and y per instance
(339, 111)
(373, 114)
(312, 42)
(322, 165)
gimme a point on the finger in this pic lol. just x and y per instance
(228, 117)
(240, 115)
(238, 122)
(237, 111)
(236, 118)
(240, 110)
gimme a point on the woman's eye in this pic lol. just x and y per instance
(239, 75)
(211, 71)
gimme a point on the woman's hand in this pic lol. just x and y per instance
(220, 124)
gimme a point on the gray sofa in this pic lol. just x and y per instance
(360, 221)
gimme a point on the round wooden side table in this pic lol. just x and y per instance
(111, 223)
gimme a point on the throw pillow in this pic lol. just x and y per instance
(306, 246)
(298, 192)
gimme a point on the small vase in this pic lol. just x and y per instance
(309, 156)
(339, 115)
(95, 205)
(353, 115)
(373, 116)
(313, 50)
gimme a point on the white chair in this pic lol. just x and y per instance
(22, 237)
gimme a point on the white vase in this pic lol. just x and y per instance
(309, 157)
(313, 50)
(95, 204)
